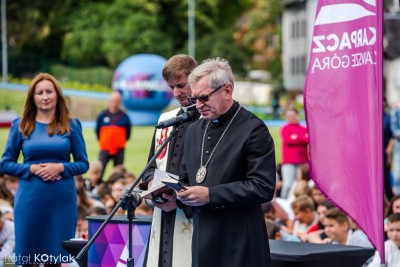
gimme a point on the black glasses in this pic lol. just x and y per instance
(178, 85)
(203, 98)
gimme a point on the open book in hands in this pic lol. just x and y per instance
(163, 183)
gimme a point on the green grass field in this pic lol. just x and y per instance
(86, 109)
(12, 100)
(137, 149)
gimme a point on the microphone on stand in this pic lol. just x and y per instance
(178, 120)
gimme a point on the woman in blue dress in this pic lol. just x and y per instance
(45, 201)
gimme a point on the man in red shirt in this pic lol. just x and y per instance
(294, 149)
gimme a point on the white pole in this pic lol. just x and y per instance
(191, 28)
(4, 40)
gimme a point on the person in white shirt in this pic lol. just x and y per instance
(338, 230)
(392, 246)
(7, 239)
(304, 211)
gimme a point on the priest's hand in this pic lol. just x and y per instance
(168, 205)
(194, 196)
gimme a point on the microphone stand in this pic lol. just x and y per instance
(128, 201)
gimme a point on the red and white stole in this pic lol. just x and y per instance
(182, 243)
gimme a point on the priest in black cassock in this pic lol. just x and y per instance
(171, 229)
(229, 164)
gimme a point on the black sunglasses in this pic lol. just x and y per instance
(204, 98)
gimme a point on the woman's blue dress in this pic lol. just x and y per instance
(45, 212)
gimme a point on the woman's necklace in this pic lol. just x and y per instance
(202, 172)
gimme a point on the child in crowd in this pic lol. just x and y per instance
(118, 188)
(94, 176)
(105, 196)
(316, 233)
(338, 230)
(82, 223)
(96, 211)
(270, 215)
(394, 207)
(86, 201)
(130, 177)
(273, 230)
(118, 172)
(11, 183)
(392, 246)
(303, 208)
(317, 195)
(300, 188)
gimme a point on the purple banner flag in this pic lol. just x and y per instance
(343, 103)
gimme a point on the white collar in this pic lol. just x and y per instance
(185, 109)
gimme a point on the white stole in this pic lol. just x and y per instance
(182, 243)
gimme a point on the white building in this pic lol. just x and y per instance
(297, 26)
(297, 30)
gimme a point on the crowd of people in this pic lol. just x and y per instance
(225, 157)
(300, 212)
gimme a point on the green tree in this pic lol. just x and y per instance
(35, 32)
(91, 32)
(82, 43)
(211, 17)
(113, 31)
(222, 44)
(133, 27)
(260, 31)
(39, 26)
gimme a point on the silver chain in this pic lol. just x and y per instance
(204, 138)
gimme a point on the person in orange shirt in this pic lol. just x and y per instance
(113, 129)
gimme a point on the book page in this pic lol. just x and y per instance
(159, 175)
(158, 187)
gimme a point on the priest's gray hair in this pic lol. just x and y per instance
(219, 70)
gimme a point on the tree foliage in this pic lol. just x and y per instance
(222, 44)
(82, 42)
(39, 26)
(111, 32)
(132, 27)
(92, 32)
(260, 31)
